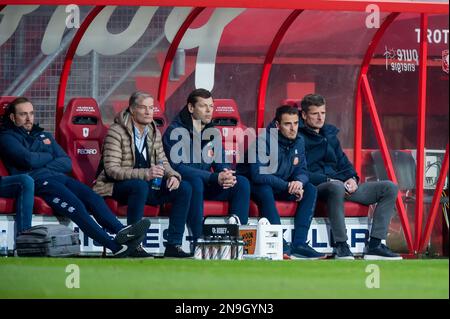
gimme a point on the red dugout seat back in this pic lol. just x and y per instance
(160, 119)
(4, 101)
(292, 102)
(121, 210)
(226, 118)
(158, 116)
(3, 170)
(6, 205)
(82, 135)
(288, 209)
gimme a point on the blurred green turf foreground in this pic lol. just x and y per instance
(174, 279)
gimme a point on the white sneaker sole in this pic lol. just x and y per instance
(124, 248)
(344, 258)
(375, 257)
(306, 258)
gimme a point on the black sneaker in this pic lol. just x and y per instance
(129, 247)
(140, 252)
(175, 251)
(132, 231)
(342, 251)
(381, 252)
(305, 251)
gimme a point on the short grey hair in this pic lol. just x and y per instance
(138, 96)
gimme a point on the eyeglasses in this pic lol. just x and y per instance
(142, 107)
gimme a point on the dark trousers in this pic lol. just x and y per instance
(21, 188)
(137, 193)
(237, 196)
(265, 197)
(383, 193)
(70, 198)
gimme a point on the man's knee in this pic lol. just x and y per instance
(242, 185)
(389, 188)
(335, 189)
(138, 186)
(196, 184)
(261, 190)
(184, 190)
(310, 190)
(262, 193)
(26, 181)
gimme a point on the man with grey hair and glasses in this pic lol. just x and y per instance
(133, 161)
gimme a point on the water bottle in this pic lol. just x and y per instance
(225, 249)
(206, 248)
(156, 182)
(234, 219)
(240, 249)
(199, 249)
(3, 244)
(214, 249)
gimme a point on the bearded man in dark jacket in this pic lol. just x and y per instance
(27, 149)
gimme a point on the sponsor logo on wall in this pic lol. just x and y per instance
(401, 60)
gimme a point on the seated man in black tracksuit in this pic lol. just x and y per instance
(337, 180)
(193, 147)
(287, 180)
(27, 149)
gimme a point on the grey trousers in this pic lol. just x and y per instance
(384, 193)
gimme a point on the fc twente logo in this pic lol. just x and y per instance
(85, 131)
(445, 61)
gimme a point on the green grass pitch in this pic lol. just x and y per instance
(175, 279)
